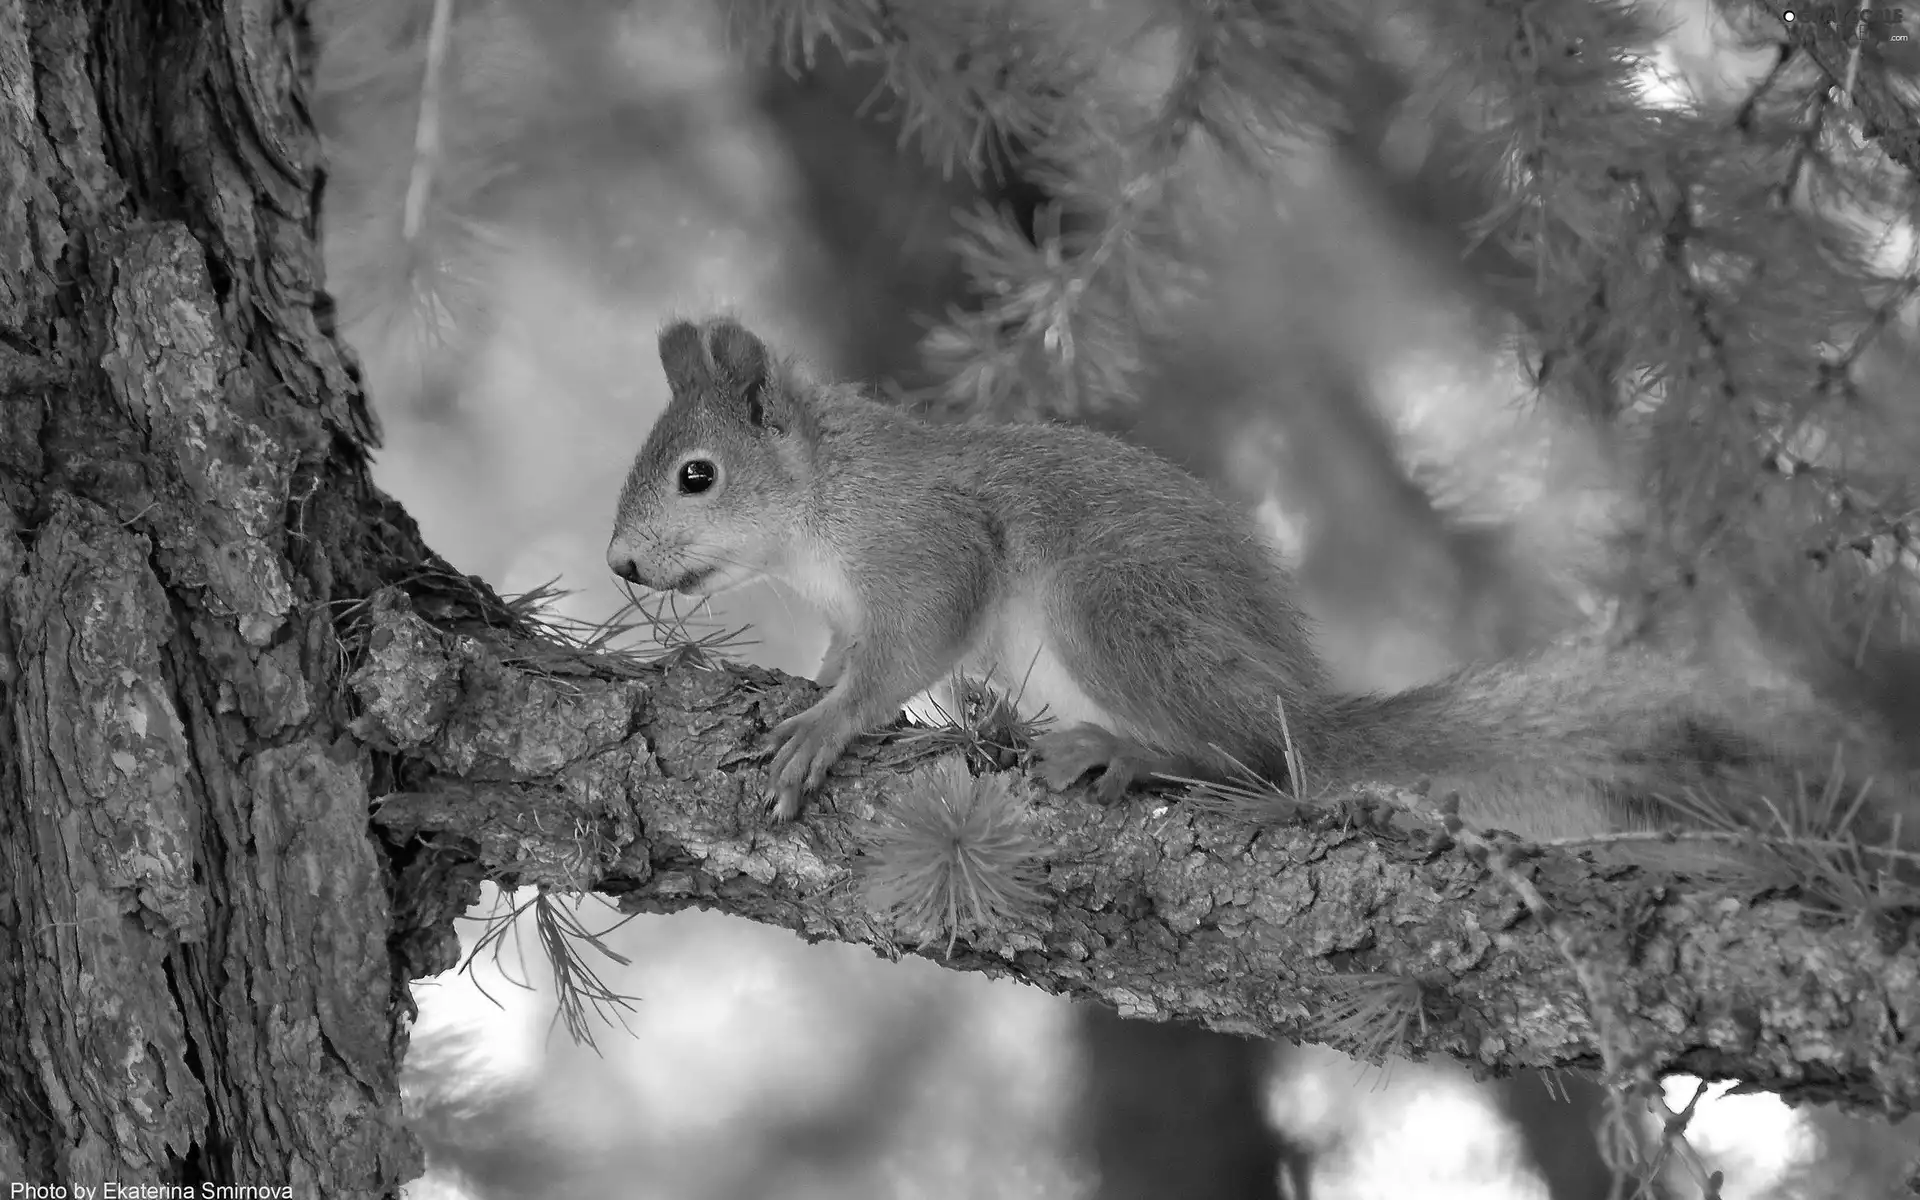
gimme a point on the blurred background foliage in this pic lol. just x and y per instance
(1401, 277)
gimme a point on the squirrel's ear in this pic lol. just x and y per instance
(740, 360)
(683, 357)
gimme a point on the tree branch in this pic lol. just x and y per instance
(646, 788)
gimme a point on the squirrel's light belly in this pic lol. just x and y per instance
(1015, 654)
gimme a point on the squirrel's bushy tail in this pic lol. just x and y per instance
(1587, 740)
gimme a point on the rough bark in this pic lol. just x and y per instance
(204, 944)
(195, 925)
(647, 788)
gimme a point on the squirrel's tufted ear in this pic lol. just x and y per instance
(683, 356)
(739, 356)
(740, 362)
(725, 365)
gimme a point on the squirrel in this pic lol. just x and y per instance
(1150, 619)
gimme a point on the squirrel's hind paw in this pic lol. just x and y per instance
(1063, 756)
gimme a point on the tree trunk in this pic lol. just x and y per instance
(196, 942)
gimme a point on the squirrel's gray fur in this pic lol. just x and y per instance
(1150, 618)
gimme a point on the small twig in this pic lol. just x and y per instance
(1673, 1140)
(1804, 147)
(1738, 837)
(1853, 57)
(426, 131)
(1743, 118)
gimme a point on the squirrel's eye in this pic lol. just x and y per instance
(697, 475)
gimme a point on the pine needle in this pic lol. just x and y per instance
(643, 632)
(580, 993)
(1368, 1015)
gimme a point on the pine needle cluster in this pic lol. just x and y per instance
(1726, 277)
(953, 857)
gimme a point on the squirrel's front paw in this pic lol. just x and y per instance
(804, 747)
(1063, 756)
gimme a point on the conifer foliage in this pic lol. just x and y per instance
(1727, 276)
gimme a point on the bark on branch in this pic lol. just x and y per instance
(646, 788)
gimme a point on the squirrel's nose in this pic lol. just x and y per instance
(622, 564)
